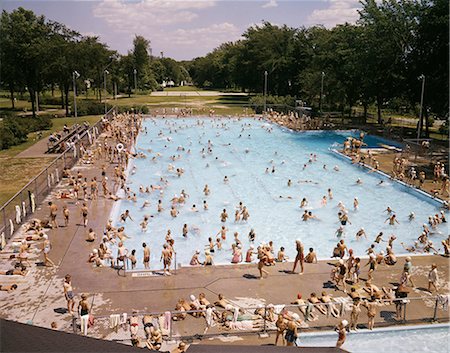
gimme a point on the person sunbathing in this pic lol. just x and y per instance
(373, 291)
(331, 308)
(222, 303)
(317, 304)
(202, 299)
(8, 287)
(181, 307)
(305, 308)
(17, 271)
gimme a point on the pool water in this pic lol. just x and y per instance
(242, 150)
(424, 340)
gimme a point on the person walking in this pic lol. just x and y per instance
(46, 247)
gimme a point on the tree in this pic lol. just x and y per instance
(23, 46)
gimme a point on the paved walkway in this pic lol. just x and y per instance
(39, 298)
(37, 150)
(195, 93)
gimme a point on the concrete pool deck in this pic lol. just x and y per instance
(39, 298)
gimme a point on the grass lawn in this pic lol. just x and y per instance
(17, 172)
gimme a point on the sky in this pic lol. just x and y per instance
(184, 29)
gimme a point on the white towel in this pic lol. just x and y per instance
(2, 241)
(114, 320)
(124, 318)
(24, 209)
(278, 309)
(18, 214)
(164, 332)
(48, 180)
(52, 177)
(209, 318)
(33, 203)
(11, 225)
(57, 175)
(443, 300)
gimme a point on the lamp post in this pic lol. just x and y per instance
(321, 92)
(265, 91)
(75, 75)
(105, 72)
(135, 82)
(419, 128)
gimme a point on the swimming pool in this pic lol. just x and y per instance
(426, 339)
(242, 150)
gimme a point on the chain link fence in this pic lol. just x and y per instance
(24, 203)
(235, 320)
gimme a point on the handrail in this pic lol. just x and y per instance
(290, 305)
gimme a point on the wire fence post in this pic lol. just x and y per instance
(4, 222)
(404, 304)
(74, 324)
(35, 192)
(170, 327)
(435, 310)
(265, 318)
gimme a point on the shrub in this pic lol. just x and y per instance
(89, 107)
(14, 129)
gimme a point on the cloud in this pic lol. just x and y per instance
(125, 16)
(271, 3)
(339, 11)
(170, 25)
(206, 37)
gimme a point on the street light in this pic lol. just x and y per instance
(321, 93)
(105, 72)
(135, 87)
(265, 91)
(419, 128)
(75, 75)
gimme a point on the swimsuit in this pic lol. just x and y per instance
(148, 324)
(69, 295)
(9, 272)
(290, 336)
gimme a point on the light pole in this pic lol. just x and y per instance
(105, 72)
(419, 128)
(321, 92)
(75, 75)
(265, 91)
(135, 84)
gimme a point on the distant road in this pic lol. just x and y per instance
(194, 93)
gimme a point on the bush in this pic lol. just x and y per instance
(14, 129)
(279, 103)
(49, 100)
(89, 107)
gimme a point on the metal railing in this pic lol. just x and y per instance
(191, 324)
(24, 203)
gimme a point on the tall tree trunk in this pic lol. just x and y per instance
(11, 92)
(365, 104)
(66, 93)
(33, 100)
(427, 131)
(379, 104)
(62, 97)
